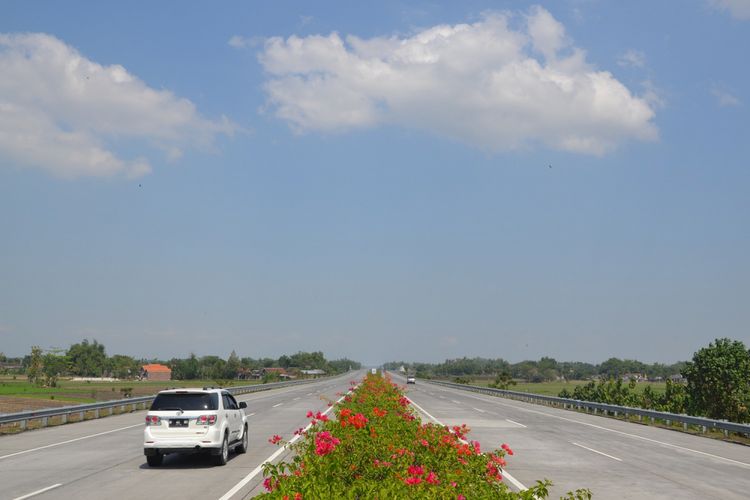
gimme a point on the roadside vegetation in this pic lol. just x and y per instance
(48, 378)
(376, 447)
(714, 384)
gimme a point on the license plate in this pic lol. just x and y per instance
(178, 422)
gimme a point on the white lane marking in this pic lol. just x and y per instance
(595, 451)
(518, 484)
(297, 399)
(38, 492)
(479, 410)
(237, 487)
(309, 394)
(250, 414)
(514, 422)
(279, 404)
(69, 441)
(457, 402)
(634, 436)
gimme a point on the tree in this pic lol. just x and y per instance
(54, 366)
(87, 359)
(35, 366)
(232, 366)
(718, 381)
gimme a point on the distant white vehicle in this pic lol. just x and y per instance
(411, 379)
(195, 421)
(374, 371)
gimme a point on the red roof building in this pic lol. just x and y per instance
(156, 372)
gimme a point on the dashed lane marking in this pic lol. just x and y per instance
(595, 451)
(38, 492)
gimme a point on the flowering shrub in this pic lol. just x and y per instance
(376, 448)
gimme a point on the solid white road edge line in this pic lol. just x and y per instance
(278, 404)
(635, 436)
(237, 487)
(518, 484)
(38, 492)
(70, 441)
(514, 422)
(595, 451)
(479, 410)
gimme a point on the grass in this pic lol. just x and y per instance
(69, 391)
(554, 388)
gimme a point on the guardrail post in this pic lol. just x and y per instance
(81, 415)
(685, 427)
(96, 413)
(64, 418)
(704, 428)
(45, 420)
(669, 423)
(22, 424)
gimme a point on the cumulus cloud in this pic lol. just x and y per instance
(64, 113)
(486, 84)
(632, 58)
(738, 9)
(724, 98)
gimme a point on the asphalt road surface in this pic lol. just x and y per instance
(614, 459)
(103, 459)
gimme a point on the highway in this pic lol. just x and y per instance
(615, 459)
(104, 458)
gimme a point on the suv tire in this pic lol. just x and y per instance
(223, 456)
(242, 447)
(154, 460)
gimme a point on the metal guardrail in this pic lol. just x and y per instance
(607, 409)
(129, 404)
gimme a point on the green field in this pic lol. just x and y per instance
(69, 391)
(554, 388)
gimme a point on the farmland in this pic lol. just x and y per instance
(18, 394)
(553, 388)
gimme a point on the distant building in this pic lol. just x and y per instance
(156, 372)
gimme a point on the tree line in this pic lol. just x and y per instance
(543, 370)
(90, 359)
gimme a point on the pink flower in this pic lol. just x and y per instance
(506, 448)
(325, 443)
(432, 478)
(413, 480)
(415, 470)
(275, 439)
(477, 447)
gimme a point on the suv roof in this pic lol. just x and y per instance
(183, 390)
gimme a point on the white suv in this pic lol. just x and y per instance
(194, 421)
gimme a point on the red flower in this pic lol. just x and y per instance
(506, 448)
(275, 439)
(413, 480)
(432, 478)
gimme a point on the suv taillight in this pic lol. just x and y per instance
(207, 420)
(153, 420)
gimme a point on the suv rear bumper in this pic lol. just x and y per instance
(213, 450)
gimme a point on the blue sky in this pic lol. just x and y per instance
(374, 181)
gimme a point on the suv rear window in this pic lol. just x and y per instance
(185, 402)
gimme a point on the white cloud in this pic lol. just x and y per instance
(632, 58)
(738, 9)
(724, 98)
(62, 112)
(485, 83)
(241, 42)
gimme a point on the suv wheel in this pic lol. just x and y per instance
(223, 456)
(242, 448)
(154, 460)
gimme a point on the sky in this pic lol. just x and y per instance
(383, 181)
